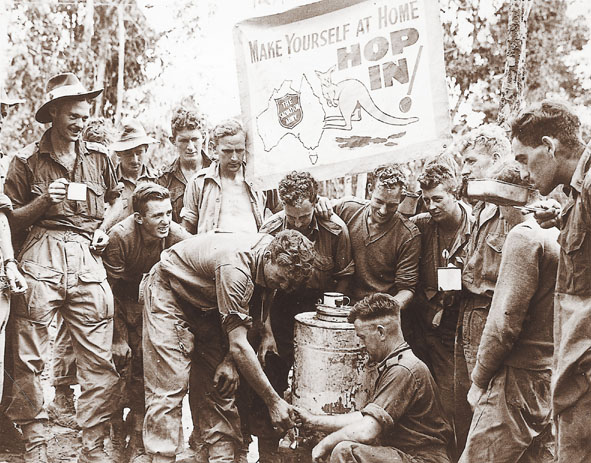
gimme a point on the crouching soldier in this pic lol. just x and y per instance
(134, 247)
(404, 415)
(197, 299)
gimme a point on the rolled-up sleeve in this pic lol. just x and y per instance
(407, 268)
(394, 394)
(190, 210)
(5, 203)
(234, 289)
(114, 256)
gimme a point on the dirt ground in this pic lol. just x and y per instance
(64, 443)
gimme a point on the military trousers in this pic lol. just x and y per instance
(63, 276)
(176, 337)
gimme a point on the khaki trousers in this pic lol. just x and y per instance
(65, 277)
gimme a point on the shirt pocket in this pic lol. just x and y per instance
(575, 261)
(491, 258)
(95, 200)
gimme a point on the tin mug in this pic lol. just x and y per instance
(336, 299)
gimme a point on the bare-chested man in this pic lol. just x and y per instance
(219, 198)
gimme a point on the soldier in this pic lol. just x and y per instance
(59, 186)
(219, 197)
(510, 390)
(403, 421)
(130, 149)
(298, 192)
(188, 134)
(547, 143)
(10, 438)
(197, 299)
(433, 316)
(134, 247)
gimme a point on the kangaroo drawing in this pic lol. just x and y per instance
(351, 96)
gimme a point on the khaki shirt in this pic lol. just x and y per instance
(407, 406)
(203, 200)
(217, 271)
(34, 168)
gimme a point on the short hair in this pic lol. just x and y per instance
(509, 172)
(226, 128)
(187, 119)
(388, 176)
(548, 118)
(293, 250)
(146, 192)
(374, 306)
(296, 187)
(435, 174)
(99, 130)
(490, 138)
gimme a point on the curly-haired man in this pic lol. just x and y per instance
(298, 192)
(386, 246)
(188, 134)
(197, 299)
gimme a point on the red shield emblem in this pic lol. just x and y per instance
(289, 110)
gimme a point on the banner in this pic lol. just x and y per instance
(341, 86)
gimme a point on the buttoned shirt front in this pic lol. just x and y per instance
(203, 200)
(129, 185)
(483, 251)
(174, 180)
(36, 167)
(217, 271)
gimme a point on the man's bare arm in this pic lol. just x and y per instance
(27, 215)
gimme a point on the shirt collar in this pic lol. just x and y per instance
(46, 147)
(581, 169)
(384, 363)
(119, 174)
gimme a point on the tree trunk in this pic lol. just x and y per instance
(514, 77)
(120, 67)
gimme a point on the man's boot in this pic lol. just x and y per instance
(35, 434)
(93, 445)
(62, 410)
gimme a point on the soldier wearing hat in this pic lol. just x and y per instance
(130, 150)
(59, 186)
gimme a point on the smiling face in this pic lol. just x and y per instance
(440, 203)
(299, 217)
(384, 203)
(155, 220)
(231, 150)
(538, 164)
(69, 118)
(132, 160)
